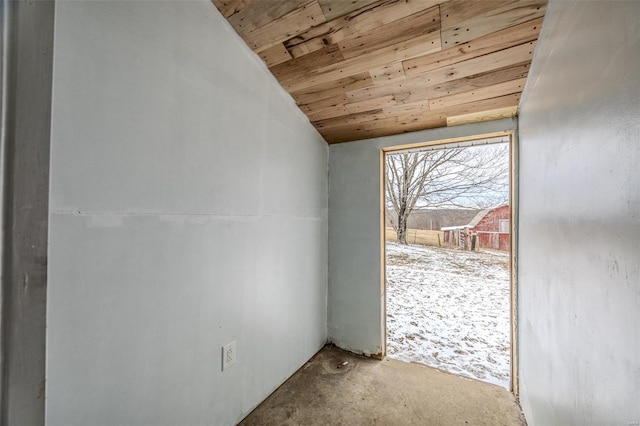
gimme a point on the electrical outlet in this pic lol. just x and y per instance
(229, 355)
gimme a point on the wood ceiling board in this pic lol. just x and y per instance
(396, 87)
(417, 83)
(299, 67)
(383, 13)
(464, 20)
(376, 119)
(315, 38)
(384, 127)
(326, 103)
(407, 108)
(480, 106)
(333, 9)
(326, 108)
(345, 135)
(332, 88)
(387, 73)
(275, 55)
(311, 46)
(284, 28)
(261, 13)
(422, 94)
(398, 52)
(360, 21)
(417, 96)
(492, 61)
(456, 12)
(416, 88)
(416, 25)
(405, 124)
(365, 68)
(229, 7)
(377, 125)
(392, 114)
(478, 81)
(501, 89)
(350, 120)
(499, 40)
(475, 117)
(370, 104)
(329, 113)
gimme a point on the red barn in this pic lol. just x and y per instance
(492, 228)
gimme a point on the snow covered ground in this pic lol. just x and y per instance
(449, 309)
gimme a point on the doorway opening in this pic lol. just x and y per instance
(449, 281)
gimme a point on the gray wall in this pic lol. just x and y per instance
(188, 208)
(356, 300)
(580, 218)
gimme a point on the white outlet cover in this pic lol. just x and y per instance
(229, 355)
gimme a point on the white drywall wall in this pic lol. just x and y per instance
(356, 302)
(188, 209)
(579, 240)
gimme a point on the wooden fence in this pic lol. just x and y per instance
(418, 236)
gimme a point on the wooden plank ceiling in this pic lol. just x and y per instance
(362, 68)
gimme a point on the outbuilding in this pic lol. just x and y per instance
(490, 227)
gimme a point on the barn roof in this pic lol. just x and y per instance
(476, 220)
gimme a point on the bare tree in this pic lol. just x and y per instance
(474, 177)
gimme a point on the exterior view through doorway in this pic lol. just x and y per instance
(448, 221)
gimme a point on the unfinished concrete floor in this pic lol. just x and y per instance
(339, 388)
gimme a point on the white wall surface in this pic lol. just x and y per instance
(188, 209)
(579, 281)
(356, 300)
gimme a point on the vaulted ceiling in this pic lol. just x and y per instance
(362, 68)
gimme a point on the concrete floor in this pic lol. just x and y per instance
(339, 388)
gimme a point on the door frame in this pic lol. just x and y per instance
(513, 211)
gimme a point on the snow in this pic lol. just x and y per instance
(449, 309)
